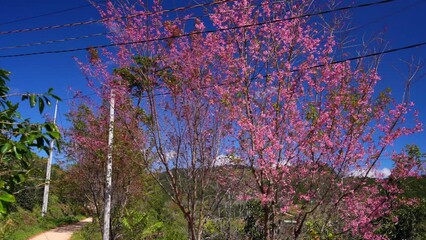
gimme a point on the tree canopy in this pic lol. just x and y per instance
(266, 92)
(19, 138)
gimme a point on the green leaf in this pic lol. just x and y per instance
(125, 223)
(55, 135)
(2, 209)
(31, 138)
(51, 127)
(33, 100)
(22, 146)
(40, 142)
(151, 230)
(47, 100)
(56, 97)
(19, 178)
(40, 105)
(5, 148)
(6, 197)
(58, 146)
(4, 75)
(17, 154)
(48, 126)
(46, 149)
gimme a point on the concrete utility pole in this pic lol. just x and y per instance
(108, 185)
(48, 170)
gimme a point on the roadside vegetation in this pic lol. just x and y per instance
(22, 171)
(24, 216)
(256, 131)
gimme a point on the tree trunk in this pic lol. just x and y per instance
(266, 230)
(191, 228)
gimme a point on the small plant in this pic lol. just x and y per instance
(90, 231)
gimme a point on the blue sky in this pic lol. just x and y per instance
(402, 20)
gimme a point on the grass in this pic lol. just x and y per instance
(24, 232)
(21, 225)
(90, 231)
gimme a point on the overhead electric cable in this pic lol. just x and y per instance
(389, 15)
(55, 41)
(197, 33)
(49, 14)
(98, 34)
(331, 63)
(32, 44)
(78, 96)
(296, 70)
(115, 18)
(377, 53)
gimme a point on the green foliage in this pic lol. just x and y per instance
(315, 230)
(153, 216)
(414, 187)
(18, 138)
(413, 151)
(90, 231)
(4, 76)
(223, 228)
(253, 228)
(312, 113)
(408, 221)
(22, 224)
(5, 198)
(140, 225)
(29, 193)
(68, 192)
(137, 76)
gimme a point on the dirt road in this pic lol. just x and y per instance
(61, 233)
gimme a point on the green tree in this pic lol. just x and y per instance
(19, 137)
(408, 220)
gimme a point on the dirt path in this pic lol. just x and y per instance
(61, 233)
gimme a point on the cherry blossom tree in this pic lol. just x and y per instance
(305, 122)
(264, 86)
(87, 151)
(181, 118)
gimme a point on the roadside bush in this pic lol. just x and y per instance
(22, 224)
(89, 231)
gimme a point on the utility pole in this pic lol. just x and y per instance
(48, 170)
(108, 184)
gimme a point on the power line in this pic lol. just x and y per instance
(114, 18)
(322, 65)
(294, 70)
(49, 14)
(198, 33)
(72, 38)
(78, 96)
(100, 34)
(377, 53)
(389, 15)
(55, 41)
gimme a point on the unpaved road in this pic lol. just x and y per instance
(61, 233)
